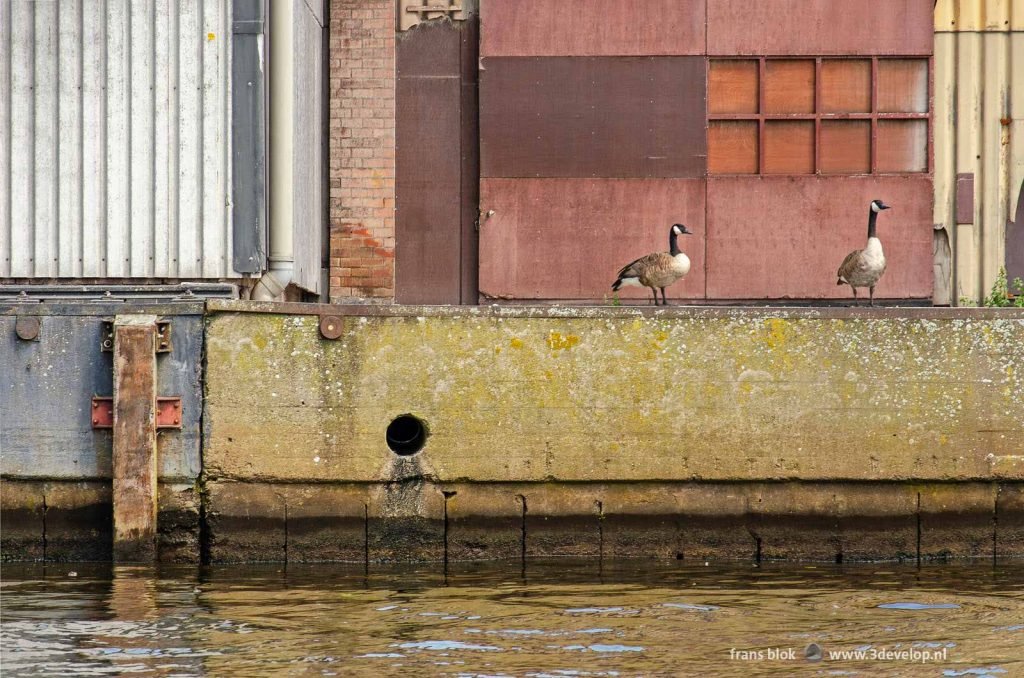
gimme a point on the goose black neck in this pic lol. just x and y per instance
(673, 245)
(872, 216)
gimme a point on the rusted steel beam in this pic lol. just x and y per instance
(134, 457)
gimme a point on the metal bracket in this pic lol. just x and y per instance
(331, 326)
(168, 412)
(163, 336)
(412, 12)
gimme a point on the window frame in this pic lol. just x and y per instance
(873, 116)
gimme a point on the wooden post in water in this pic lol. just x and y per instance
(135, 470)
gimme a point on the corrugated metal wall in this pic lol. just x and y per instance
(979, 136)
(114, 139)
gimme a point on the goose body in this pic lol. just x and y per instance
(864, 267)
(657, 270)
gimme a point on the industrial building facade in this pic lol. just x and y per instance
(459, 153)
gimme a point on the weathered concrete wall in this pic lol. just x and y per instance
(771, 433)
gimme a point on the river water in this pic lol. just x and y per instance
(555, 618)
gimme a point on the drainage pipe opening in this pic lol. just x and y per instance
(406, 435)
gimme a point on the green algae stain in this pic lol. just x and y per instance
(557, 342)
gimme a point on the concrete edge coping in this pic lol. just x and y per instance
(214, 306)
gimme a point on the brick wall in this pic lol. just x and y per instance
(362, 149)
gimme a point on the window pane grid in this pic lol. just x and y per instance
(852, 136)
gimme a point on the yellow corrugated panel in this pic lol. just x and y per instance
(979, 130)
(979, 15)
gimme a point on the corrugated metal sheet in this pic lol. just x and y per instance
(979, 131)
(114, 121)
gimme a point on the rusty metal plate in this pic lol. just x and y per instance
(817, 27)
(784, 237)
(27, 328)
(168, 412)
(331, 326)
(592, 28)
(592, 117)
(428, 166)
(965, 198)
(567, 238)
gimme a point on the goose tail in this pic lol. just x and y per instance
(622, 281)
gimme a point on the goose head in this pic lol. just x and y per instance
(878, 206)
(679, 229)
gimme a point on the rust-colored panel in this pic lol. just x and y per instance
(732, 86)
(732, 147)
(592, 116)
(902, 146)
(789, 86)
(903, 85)
(567, 238)
(592, 27)
(789, 147)
(470, 199)
(846, 86)
(428, 166)
(784, 237)
(813, 27)
(845, 146)
(965, 198)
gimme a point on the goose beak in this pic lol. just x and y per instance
(883, 206)
(686, 231)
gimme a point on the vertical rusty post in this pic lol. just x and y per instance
(135, 471)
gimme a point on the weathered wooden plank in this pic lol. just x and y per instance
(566, 239)
(22, 168)
(135, 453)
(823, 219)
(94, 144)
(814, 27)
(69, 165)
(141, 53)
(593, 28)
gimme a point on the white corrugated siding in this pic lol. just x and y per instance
(115, 139)
(979, 129)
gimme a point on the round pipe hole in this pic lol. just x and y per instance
(406, 435)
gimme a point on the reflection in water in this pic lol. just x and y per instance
(562, 618)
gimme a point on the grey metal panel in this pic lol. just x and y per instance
(307, 169)
(114, 139)
(248, 137)
(46, 388)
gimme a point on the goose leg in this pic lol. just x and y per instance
(871, 292)
(664, 301)
(854, 294)
(654, 291)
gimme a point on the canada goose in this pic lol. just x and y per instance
(863, 268)
(657, 270)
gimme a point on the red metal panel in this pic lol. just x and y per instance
(965, 198)
(812, 27)
(567, 238)
(593, 116)
(428, 166)
(592, 27)
(784, 238)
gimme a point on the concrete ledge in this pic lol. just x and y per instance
(789, 521)
(61, 521)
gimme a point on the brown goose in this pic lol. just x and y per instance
(657, 270)
(863, 268)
